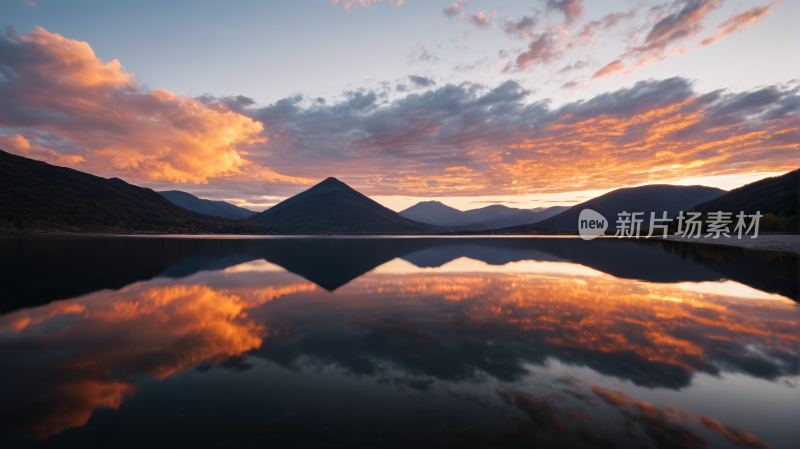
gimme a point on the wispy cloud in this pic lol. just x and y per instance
(740, 22)
(672, 33)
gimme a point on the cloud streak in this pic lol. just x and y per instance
(738, 23)
(672, 33)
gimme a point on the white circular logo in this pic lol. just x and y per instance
(591, 224)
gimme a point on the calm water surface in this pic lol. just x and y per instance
(380, 342)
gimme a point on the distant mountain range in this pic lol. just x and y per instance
(37, 195)
(334, 207)
(652, 198)
(208, 207)
(489, 217)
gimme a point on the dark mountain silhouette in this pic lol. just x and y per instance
(518, 218)
(334, 207)
(647, 199)
(489, 217)
(434, 212)
(220, 209)
(777, 196)
(37, 195)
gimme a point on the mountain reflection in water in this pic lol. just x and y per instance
(397, 343)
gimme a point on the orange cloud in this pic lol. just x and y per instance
(19, 145)
(610, 69)
(115, 126)
(740, 22)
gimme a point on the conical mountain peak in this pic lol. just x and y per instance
(331, 180)
(334, 207)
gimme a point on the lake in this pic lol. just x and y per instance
(395, 342)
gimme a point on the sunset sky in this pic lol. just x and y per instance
(524, 103)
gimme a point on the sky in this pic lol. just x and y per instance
(478, 102)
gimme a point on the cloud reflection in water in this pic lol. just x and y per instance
(412, 326)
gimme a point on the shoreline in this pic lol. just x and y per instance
(765, 242)
(789, 243)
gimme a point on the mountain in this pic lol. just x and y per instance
(433, 212)
(521, 217)
(653, 198)
(212, 208)
(489, 217)
(37, 195)
(777, 196)
(334, 207)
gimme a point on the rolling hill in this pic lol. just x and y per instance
(489, 217)
(652, 198)
(521, 217)
(220, 209)
(37, 195)
(334, 207)
(435, 213)
(777, 196)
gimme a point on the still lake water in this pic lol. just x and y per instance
(395, 342)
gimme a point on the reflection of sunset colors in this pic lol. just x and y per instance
(112, 336)
(603, 313)
(665, 426)
(466, 315)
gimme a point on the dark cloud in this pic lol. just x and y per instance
(574, 66)
(359, 101)
(234, 103)
(455, 9)
(481, 21)
(641, 97)
(543, 49)
(421, 81)
(572, 9)
(522, 28)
